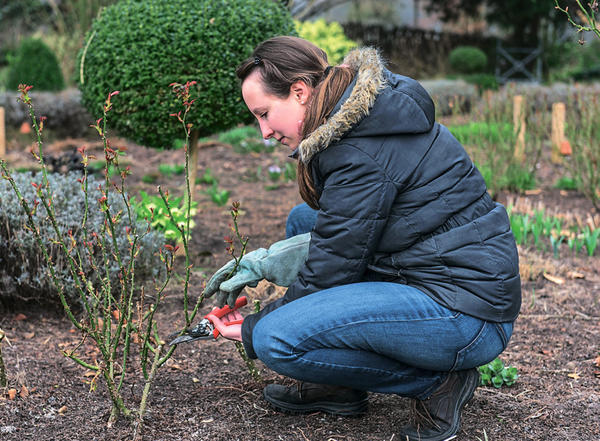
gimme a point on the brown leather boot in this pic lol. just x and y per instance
(438, 417)
(310, 397)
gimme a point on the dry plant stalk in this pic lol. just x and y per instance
(3, 380)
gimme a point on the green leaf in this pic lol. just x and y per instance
(497, 381)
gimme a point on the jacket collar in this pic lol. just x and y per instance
(354, 105)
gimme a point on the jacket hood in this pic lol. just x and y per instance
(376, 103)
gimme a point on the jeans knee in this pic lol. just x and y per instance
(300, 220)
(270, 347)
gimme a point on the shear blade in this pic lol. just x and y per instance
(188, 338)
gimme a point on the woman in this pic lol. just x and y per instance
(405, 278)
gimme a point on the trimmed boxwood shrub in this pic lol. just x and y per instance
(35, 64)
(24, 274)
(140, 47)
(468, 59)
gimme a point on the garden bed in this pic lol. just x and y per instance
(205, 391)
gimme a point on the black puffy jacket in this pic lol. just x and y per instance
(400, 200)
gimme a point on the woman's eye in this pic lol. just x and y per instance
(264, 115)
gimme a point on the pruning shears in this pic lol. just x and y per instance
(205, 329)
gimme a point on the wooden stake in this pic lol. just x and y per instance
(519, 126)
(558, 131)
(2, 134)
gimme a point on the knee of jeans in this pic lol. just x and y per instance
(271, 347)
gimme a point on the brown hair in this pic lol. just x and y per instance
(284, 60)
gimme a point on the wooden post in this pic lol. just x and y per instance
(2, 134)
(558, 131)
(519, 126)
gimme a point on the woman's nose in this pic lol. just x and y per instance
(266, 131)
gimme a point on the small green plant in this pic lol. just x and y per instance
(218, 195)
(169, 170)
(290, 172)
(149, 178)
(154, 208)
(207, 178)
(590, 239)
(496, 374)
(246, 139)
(566, 183)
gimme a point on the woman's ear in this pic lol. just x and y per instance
(300, 91)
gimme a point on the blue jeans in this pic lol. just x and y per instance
(376, 336)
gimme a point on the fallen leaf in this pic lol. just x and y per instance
(207, 420)
(573, 375)
(546, 352)
(29, 335)
(176, 366)
(12, 394)
(24, 392)
(554, 279)
(597, 374)
(597, 361)
(533, 192)
(575, 275)
(20, 317)
(62, 410)
(195, 380)
(90, 373)
(116, 314)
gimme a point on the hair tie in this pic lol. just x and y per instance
(257, 61)
(326, 72)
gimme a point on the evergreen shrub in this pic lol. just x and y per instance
(24, 274)
(328, 36)
(140, 47)
(467, 59)
(35, 64)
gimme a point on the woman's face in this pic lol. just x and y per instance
(278, 118)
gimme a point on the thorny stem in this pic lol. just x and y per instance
(102, 336)
(590, 17)
(146, 392)
(3, 380)
(183, 92)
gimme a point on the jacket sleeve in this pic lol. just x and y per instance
(355, 202)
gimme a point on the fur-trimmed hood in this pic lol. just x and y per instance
(376, 103)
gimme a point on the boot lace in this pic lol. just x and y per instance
(420, 416)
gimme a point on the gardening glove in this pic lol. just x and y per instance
(279, 264)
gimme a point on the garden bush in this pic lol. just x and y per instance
(23, 270)
(467, 60)
(35, 64)
(328, 36)
(140, 47)
(65, 115)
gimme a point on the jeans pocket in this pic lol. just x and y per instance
(484, 347)
(505, 332)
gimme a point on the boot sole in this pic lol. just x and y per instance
(330, 407)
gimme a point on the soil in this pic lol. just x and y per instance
(205, 391)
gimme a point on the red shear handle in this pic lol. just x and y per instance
(221, 312)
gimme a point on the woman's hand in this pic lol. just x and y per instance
(230, 325)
